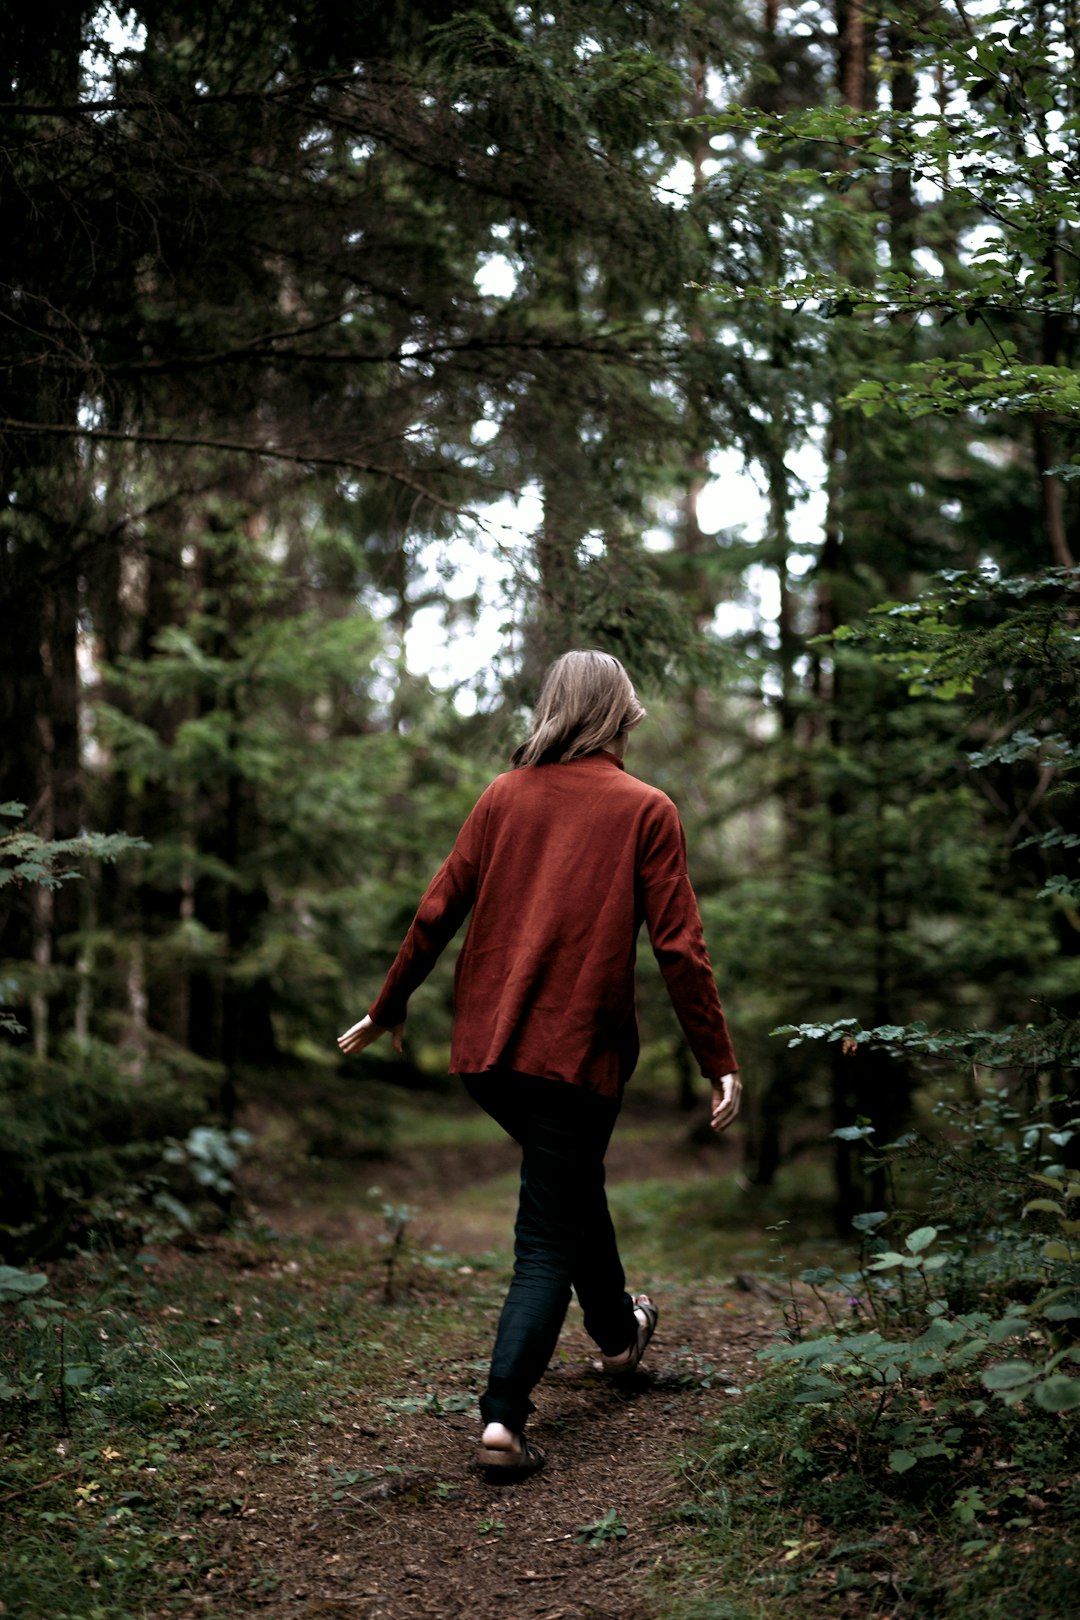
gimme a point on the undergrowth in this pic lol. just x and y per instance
(910, 1448)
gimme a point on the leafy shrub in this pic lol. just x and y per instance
(981, 1303)
(79, 1133)
(931, 1399)
(85, 1130)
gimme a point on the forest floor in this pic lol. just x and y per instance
(284, 1422)
(412, 1528)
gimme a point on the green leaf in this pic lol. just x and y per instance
(901, 1461)
(921, 1239)
(1067, 888)
(1063, 1310)
(1047, 1205)
(1008, 1374)
(815, 1390)
(16, 1284)
(609, 1527)
(938, 1335)
(818, 1276)
(888, 1261)
(1058, 1394)
(1008, 1327)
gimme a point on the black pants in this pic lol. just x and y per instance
(563, 1237)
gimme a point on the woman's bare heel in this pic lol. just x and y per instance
(502, 1454)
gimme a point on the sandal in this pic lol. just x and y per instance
(506, 1455)
(627, 1362)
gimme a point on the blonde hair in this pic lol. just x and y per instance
(586, 702)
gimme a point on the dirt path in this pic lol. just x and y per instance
(397, 1525)
(384, 1517)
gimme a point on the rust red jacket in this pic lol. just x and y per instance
(560, 865)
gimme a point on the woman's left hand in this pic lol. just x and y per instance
(726, 1097)
(365, 1033)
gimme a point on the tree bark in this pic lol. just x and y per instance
(1043, 428)
(65, 797)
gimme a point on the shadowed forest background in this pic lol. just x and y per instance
(314, 320)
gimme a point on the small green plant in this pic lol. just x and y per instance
(341, 1482)
(969, 1505)
(18, 1288)
(491, 1527)
(431, 1402)
(1061, 1253)
(209, 1155)
(396, 1219)
(38, 1367)
(23, 1301)
(608, 1527)
(695, 1370)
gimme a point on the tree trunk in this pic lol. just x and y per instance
(229, 1021)
(23, 761)
(903, 209)
(163, 819)
(39, 484)
(1045, 454)
(66, 816)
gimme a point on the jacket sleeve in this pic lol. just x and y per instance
(446, 903)
(678, 941)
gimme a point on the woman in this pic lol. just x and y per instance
(560, 862)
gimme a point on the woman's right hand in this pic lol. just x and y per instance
(726, 1097)
(365, 1033)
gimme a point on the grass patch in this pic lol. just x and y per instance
(130, 1396)
(711, 1226)
(452, 1121)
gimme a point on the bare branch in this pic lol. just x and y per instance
(297, 458)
